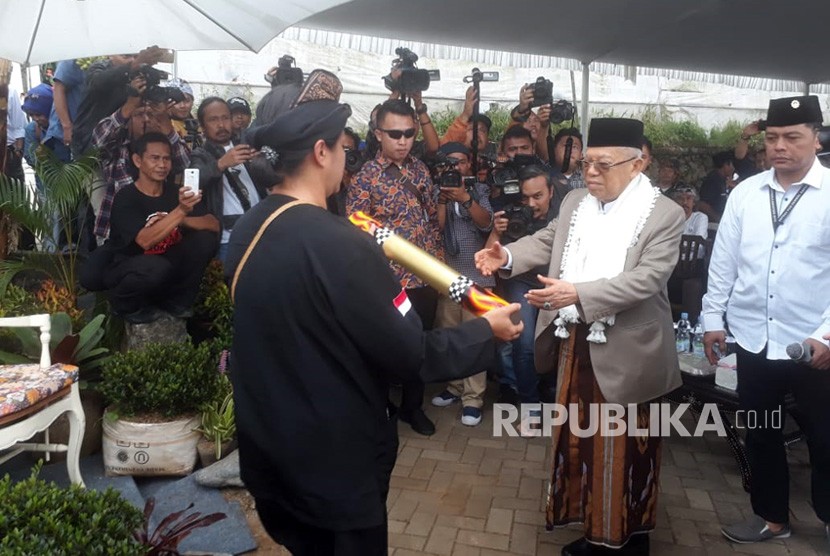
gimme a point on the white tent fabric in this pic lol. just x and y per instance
(763, 38)
(501, 58)
(38, 31)
(709, 103)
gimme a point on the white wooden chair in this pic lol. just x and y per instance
(33, 396)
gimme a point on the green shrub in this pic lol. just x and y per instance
(42, 518)
(169, 379)
(214, 305)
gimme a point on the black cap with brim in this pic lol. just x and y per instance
(301, 127)
(788, 111)
(239, 104)
(615, 132)
(454, 147)
(485, 120)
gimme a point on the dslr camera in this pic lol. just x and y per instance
(287, 73)
(355, 159)
(519, 216)
(560, 110)
(405, 77)
(154, 92)
(445, 174)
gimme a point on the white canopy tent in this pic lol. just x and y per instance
(767, 38)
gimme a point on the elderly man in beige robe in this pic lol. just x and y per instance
(605, 322)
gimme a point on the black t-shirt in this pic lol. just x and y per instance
(130, 210)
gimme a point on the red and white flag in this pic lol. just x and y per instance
(402, 303)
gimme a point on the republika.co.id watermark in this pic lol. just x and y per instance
(610, 419)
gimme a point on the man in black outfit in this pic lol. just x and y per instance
(321, 326)
(161, 239)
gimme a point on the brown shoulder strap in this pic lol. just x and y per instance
(395, 173)
(254, 241)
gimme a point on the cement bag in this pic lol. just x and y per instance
(148, 449)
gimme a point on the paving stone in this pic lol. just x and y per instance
(523, 539)
(483, 540)
(441, 540)
(499, 521)
(420, 524)
(699, 499)
(402, 540)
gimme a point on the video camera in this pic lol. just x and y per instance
(405, 77)
(287, 73)
(506, 177)
(154, 92)
(560, 110)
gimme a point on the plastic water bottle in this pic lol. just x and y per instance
(697, 340)
(682, 340)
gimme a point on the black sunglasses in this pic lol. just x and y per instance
(398, 133)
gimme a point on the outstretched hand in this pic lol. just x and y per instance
(490, 260)
(554, 295)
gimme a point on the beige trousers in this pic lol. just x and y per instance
(471, 389)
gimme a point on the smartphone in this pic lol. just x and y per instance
(191, 179)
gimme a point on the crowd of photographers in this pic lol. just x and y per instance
(152, 232)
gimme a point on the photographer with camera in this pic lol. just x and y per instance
(107, 90)
(461, 128)
(354, 162)
(395, 188)
(567, 150)
(465, 217)
(286, 80)
(182, 116)
(145, 110)
(528, 211)
(223, 166)
(537, 123)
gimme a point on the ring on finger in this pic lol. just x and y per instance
(546, 305)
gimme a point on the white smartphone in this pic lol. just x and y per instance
(191, 179)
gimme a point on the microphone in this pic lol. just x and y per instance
(800, 352)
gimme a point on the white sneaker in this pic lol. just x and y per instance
(470, 416)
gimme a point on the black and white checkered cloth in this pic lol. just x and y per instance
(458, 287)
(382, 234)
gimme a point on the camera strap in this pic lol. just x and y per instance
(395, 173)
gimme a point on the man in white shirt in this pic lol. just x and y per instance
(224, 180)
(769, 276)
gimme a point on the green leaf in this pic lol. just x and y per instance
(30, 341)
(7, 358)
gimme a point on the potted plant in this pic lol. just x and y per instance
(218, 427)
(154, 396)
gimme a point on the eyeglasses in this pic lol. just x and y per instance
(398, 133)
(601, 167)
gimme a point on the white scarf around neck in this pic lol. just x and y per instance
(598, 242)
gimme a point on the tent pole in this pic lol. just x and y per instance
(583, 113)
(806, 88)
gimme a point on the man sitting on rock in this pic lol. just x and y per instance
(161, 239)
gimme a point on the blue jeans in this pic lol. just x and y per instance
(519, 369)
